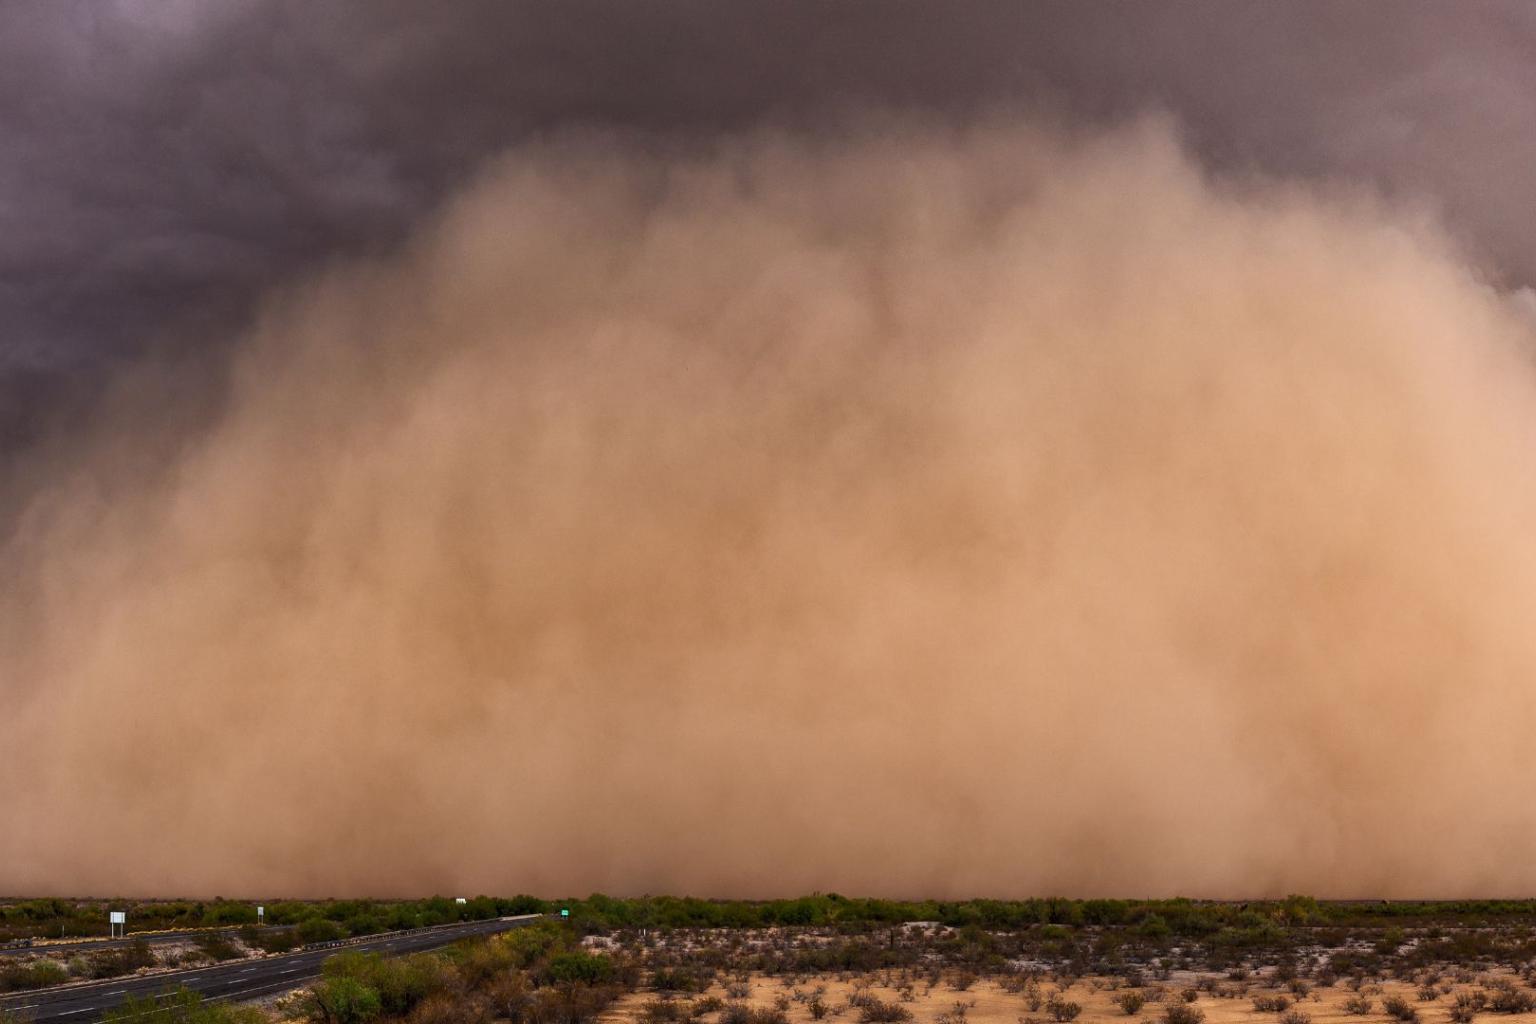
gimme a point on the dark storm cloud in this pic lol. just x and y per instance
(163, 163)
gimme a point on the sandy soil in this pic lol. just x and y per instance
(990, 1004)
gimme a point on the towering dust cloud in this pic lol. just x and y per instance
(999, 511)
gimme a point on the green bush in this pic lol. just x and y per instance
(400, 983)
(342, 1001)
(591, 968)
(318, 929)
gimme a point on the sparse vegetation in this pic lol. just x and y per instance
(1183, 1013)
(1130, 1002)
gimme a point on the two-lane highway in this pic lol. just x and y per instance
(236, 980)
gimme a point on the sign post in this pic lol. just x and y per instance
(117, 923)
(261, 915)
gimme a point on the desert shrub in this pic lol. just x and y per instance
(508, 995)
(1473, 1001)
(1183, 1013)
(318, 929)
(216, 946)
(741, 1013)
(874, 1011)
(445, 1009)
(398, 982)
(738, 989)
(341, 1000)
(589, 968)
(275, 940)
(1131, 1002)
(1358, 1005)
(1397, 1006)
(1062, 1010)
(37, 974)
(818, 1008)
(709, 1004)
(677, 979)
(1189, 995)
(1271, 1004)
(962, 980)
(1427, 993)
(1295, 1017)
(1503, 997)
(659, 1011)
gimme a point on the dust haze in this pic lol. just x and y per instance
(925, 511)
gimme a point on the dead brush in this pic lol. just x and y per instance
(956, 1013)
(1503, 997)
(1183, 1013)
(665, 1011)
(874, 1011)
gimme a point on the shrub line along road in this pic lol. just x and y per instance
(236, 980)
(153, 938)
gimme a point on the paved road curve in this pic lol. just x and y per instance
(237, 980)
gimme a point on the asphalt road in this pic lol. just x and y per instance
(237, 980)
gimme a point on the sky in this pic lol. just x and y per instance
(1081, 447)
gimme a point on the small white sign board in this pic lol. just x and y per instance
(460, 899)
(117, 917)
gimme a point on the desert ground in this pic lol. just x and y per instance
(961, 1000)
